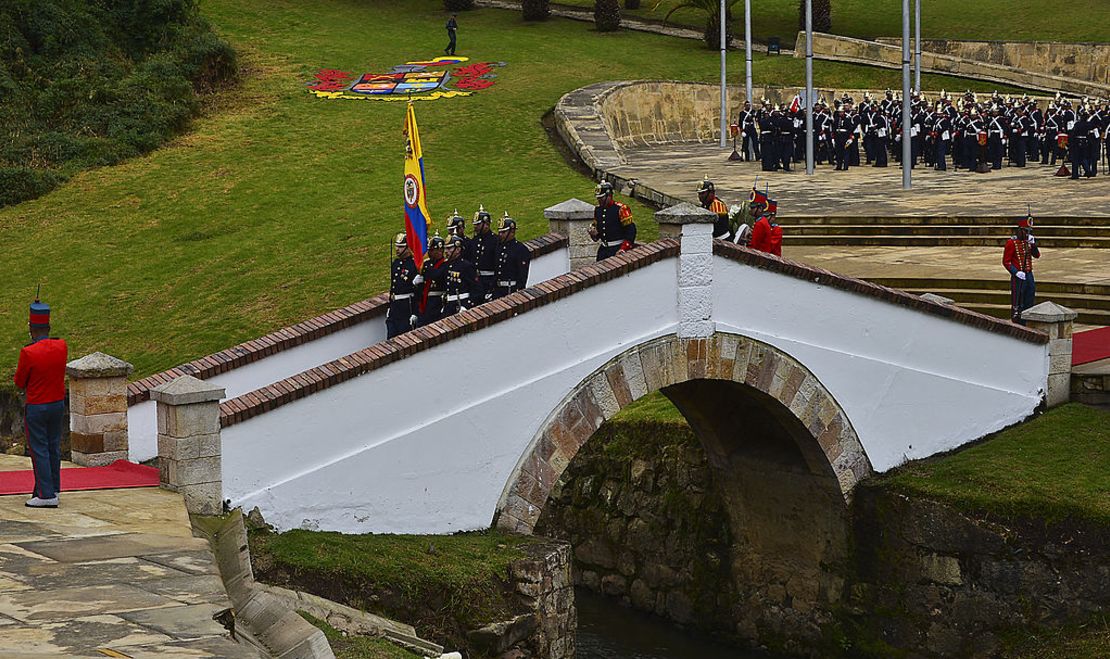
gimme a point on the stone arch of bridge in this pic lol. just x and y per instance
(724, 384)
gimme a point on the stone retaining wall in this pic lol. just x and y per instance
(874, 53)
(1083, 61)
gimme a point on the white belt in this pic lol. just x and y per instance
(612, 243)
(403, 296)
(435, 293)
(456, 298)
(506, 284)
(486, 273)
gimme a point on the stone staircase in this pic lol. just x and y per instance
(942, 231)
(992, 297)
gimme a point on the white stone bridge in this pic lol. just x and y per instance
(470, 421)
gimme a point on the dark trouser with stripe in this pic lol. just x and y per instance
(397, 318)
(604, 252)
(44, 438)
(1021, 296)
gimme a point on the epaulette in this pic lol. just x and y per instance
(625, 213)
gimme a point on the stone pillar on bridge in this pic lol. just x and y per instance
(189, 442)
(1056, 321)
(98, 409)
(572, 218)
(693, 226)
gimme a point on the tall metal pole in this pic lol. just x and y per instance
(917, 46)
(907, 183)
(724, 82)
(808, 101)
(748, 51)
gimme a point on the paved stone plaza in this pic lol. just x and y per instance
(109, 569)
(870, 192)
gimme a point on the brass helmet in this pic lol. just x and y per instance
(435, 242)
(400, 240)
(456, 224)
(706, 185)
(454, 240)
(482, 215)
(603, 189)
(507, 223)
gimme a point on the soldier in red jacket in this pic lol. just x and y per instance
(41, 373)
(766, 232)
(1017, 258)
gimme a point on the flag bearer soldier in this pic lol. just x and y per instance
(707, 194)
(513, 260)
(1017, 258)
(41, 375)
(398, 319)
(434, 277)
(462, 290)
(482, 251)
(612, 228)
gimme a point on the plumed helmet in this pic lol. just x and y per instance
(706, 185)
(435, 242)
(603, 189)
(482, 215)
(507, 223)
(400, 240)
(1025, 222)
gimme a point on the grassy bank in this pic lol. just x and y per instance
(1053, 467)
(359, 647)
(279, 206)
(993, 20)
(442, 585)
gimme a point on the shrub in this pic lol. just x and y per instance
(607, 15)
(535, 10)
(458, 5)
(822, 15)
(21, 183)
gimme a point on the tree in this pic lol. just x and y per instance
(458, 5)
(822, 15)
(535, 10)
(712, 9)
(607, 15)
(631, 4)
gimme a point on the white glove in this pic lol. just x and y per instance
(417, 280)
(412, 319)
(1020, 275)
(1031, 240)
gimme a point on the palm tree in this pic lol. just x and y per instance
(822, 15)
(712, 9)
(607, 15)
(535, 10)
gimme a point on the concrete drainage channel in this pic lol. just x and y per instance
(266, 616)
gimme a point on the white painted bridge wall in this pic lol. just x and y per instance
(142, 418)
(912, 384)
(427, 444)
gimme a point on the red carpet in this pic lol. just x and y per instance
(1090, 346)
(120, 473)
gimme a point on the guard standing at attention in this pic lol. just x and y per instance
(41, 374)
(707, 194)
(766, 232)
(398, 318)
(1017, 258)
(452, 28)
(613, 228)
(513, 260)
(456, 226)
(433, 276)
(462, 288)
(482, 251)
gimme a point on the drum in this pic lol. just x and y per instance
(982, 138)
(1062, 140)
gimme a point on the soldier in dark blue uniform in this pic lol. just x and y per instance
(767, 147)
(433, 276)
(462, 288)
(513, 260)
(398, 318)
(842, 130)
(456, 226)
(482, 251)
(996, 132)
(613, 228)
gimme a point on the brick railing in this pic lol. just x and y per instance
(824, 277)
(386, 352)
(290, 337)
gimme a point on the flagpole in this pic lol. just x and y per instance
(907, 151)
(809, 87)
(724, 82)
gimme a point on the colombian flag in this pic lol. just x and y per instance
(416, 209)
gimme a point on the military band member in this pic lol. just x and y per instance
(433, 277)
(41, 374)
(612, 228)
(462, 290)
(707, 194)
(1017, 258)
(482, 251)
(399, 316)
(513, 260)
